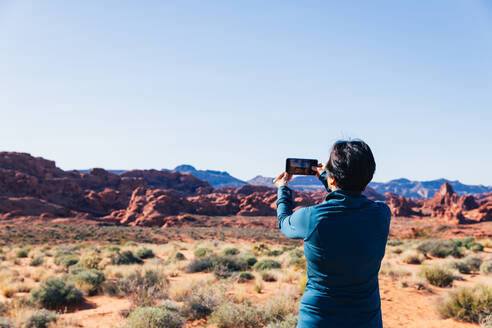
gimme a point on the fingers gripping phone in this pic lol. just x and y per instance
(300, 166)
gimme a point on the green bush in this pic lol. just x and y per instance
(88, 280)
(201, 252)
(441, 248)
(230, 315)
(437, 275)
(486, 267)
(154, 317)
(230, 251)
(37, 261)
(21, 253)
(471, 304)
(145, 253)
(215, 262)
(67, 260)
(266, 264)
(250, 261)
(267, 276)
(179, 256)
(245, 276)
(55, 293)
(125, 257)
(39, 319)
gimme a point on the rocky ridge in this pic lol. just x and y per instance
(35, 187)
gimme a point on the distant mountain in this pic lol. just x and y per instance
(299, 182)
(260, 180)
(111, 171)
(425, 189)
(217, 179)
(403, 187)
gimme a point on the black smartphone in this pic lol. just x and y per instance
(300, 166)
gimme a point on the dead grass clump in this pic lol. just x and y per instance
(154, 317)
(412, 257)
(486, 267)
(230, 315)
(202, 301)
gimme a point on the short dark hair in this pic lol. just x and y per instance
(351, 164)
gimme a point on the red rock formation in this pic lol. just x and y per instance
(400, 206)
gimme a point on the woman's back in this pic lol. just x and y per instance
(344, 241)
(344, 253)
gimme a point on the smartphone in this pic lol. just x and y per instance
(300, 166)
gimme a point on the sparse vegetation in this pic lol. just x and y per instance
(471, 304)
(145, 253)
(412, 257)
(126, 257)
(154, 317)
(55, 293)
(39, 319)
(437, 275)
(266, 264)
(486, 267)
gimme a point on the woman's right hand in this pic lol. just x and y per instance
(319, 169)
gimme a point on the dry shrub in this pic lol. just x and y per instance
(437, 275)
(471, 304)
(412, 257)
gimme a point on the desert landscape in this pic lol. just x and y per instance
(160, 248)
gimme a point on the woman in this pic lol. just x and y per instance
(344, 241)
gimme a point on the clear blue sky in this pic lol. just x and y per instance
(241, 85)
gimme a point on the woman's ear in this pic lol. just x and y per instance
(332, 184)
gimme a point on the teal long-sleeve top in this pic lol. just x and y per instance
(344, 242)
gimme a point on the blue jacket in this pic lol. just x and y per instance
(344, 242)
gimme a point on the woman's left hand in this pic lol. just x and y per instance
(282, 180)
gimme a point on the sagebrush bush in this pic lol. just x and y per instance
(437, 275)
(55, 293)
(230, 315)
(230, 251)
(471, 304)
(154, 317)
(91, 261)
(290, 321)
(441, 248)
(21, 253)
(67, 260)
(486, 267)
(39, 319)
(266, 264)
(412, 257)
(202, 301)
(126, 257)
(88, 280)
(201, 252)
(37, 261)
(279, 306)
(215, 262)
(145, 253)
(268, 277)
(245, 276)
(260, 249)
(144, 287)
(467, 264)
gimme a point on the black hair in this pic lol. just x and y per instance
(351, 164)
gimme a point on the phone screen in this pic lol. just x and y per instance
(300, 166)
